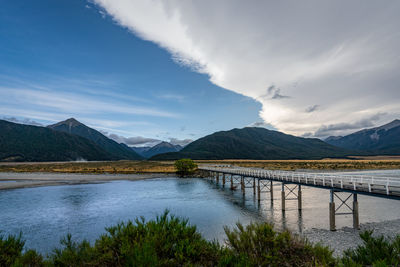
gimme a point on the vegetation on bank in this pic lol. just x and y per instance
(131, 167)
(172, 241)
(185, 167)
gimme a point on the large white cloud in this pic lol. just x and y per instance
(311, 64)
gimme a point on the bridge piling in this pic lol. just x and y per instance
(356, 223)
(242, 185)
(271, 191)
(254, 186)
(258, 190)
(332, 225)
(232, 188)
(299, 205)
(217, 178)
(283, 197)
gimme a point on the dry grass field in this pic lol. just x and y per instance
(325, 164)
(131, 167)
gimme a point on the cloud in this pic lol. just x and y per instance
(72, 103)
(181, 142)
(261, 124)
(22, 121)
(348, 65)
(312, 108)
(174, 97)
(140, 141)
(133, 141)
(345, 128)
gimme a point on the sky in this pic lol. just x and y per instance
(143, 71)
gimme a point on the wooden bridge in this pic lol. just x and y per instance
(261, 180)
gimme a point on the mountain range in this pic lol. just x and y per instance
(71, 140)
(382, 140)
(255, 143)
(163, 147)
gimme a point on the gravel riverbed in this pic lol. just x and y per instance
(346, 238)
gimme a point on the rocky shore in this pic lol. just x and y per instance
(346, 238)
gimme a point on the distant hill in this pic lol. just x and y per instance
(383, 140)
(116, 151)
(163, 147)
(20, 142)
(140, 150)
(255, 143)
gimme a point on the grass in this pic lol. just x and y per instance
(131, 167)
(326, 164)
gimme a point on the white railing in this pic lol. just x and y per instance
(356, 182)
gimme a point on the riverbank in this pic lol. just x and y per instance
(348, 238)
(14, 180)
(141, 167)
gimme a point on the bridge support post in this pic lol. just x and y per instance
(258, 190)
(283, 196)
(242, 185)
(299, 205)
(217, 178)
(344, 208)
(356, 223)
(223, 179)
(271, 191)
(332, 225)
(232, 182)
(291, 194)
(254, 186)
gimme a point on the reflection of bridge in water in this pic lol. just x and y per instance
(343, 187)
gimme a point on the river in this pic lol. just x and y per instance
(45, 214)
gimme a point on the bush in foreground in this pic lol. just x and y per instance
(172, 241)
(375, 251)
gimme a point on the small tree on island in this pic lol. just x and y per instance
(185, 167)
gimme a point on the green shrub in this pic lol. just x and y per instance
(165, 241)
(375, 251)
(185, 167)
(260, 245)
(11, 249)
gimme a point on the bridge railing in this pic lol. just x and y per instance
(354, 182)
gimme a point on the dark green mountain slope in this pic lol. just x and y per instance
(383, 140)
(116, 151)
(255, 143)
(20, 142)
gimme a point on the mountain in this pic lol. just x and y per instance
(255, 143)
(382, 140)
(163, 147)
(140, 150)
(20, 142)
(116, 151)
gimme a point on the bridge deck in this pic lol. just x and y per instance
(374, 185)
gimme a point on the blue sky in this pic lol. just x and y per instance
(61, 59)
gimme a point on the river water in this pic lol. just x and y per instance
(46, 214)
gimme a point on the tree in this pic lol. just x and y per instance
(185, 167)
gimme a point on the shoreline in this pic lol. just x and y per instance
(16, 180)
